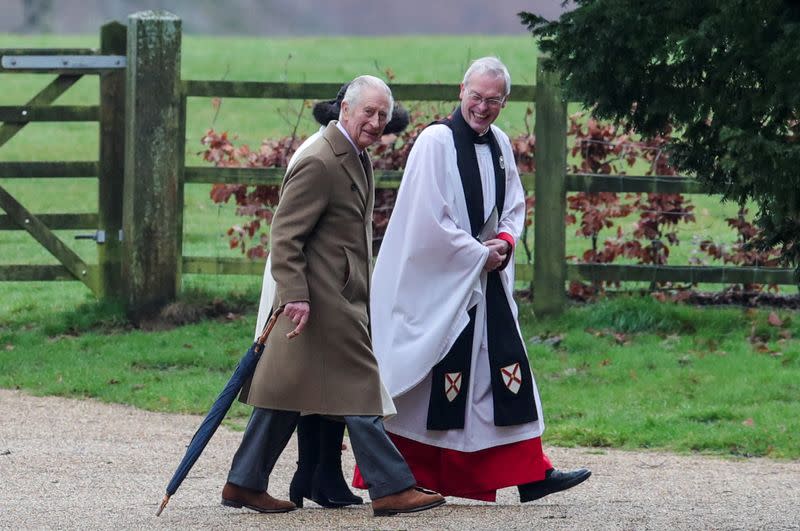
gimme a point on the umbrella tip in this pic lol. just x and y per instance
(163, 504)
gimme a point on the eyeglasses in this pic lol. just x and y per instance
(477, 99)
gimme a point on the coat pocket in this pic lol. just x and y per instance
(349, 280)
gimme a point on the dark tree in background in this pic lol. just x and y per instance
(725, 73)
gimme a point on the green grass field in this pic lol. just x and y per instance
(626, 372)
(623, 373)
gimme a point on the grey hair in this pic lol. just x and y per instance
(353, 94)
(489, 65)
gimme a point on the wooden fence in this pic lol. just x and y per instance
(69, 65)
(142, 174)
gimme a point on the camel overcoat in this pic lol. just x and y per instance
(321, 252)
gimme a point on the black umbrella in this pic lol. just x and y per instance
(218, 410)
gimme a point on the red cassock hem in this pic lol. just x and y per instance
(474, 475)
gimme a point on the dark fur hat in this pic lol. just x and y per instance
(327, 110)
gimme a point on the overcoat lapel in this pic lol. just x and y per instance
(350, 162)
(370, 206)
(370, 185)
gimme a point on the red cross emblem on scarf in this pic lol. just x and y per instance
(452, 385)
(511, 377)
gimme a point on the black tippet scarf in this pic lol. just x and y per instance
(506, 352)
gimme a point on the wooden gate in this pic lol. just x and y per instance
(69, 65)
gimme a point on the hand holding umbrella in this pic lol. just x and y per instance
(221, 406)
(298, 312)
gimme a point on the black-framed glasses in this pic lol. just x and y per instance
(477, 99)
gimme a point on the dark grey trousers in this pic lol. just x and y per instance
(269, 430)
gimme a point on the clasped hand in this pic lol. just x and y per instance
(498, 250)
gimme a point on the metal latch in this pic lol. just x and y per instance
(99, 236)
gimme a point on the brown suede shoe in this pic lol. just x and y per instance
(410, 500)
(236, 496)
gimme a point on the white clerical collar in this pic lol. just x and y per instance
(344, 132)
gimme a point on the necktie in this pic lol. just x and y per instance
(364, 162)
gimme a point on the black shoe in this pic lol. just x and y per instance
(307, 458)
(300, 487)
(329, 489)
(554, 481)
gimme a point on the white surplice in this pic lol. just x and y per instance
(428, 274)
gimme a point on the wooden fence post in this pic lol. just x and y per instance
(113, 41)
(549, 247)
(153, 158)
(180, 203)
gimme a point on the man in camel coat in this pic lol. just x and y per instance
(319, 357)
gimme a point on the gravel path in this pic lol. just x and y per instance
(80, 464)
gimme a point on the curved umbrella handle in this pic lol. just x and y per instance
(268, 326)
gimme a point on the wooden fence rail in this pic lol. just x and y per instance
(55, 169)
(685, 274)
(49, 113)
(323, 91)
(593, 183)
(37, 273)
(385, 179)
(56, 221)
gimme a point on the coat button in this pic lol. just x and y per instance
(353, 187)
